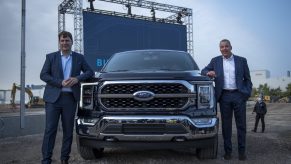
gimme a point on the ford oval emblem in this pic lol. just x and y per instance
(143, 95)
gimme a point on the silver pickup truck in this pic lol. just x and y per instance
(148, 99)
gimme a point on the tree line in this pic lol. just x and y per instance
(273, 92)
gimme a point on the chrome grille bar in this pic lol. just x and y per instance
(123, 98)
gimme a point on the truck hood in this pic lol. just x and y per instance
(153, 75)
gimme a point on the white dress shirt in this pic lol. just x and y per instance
(67, 67)
(229, 73)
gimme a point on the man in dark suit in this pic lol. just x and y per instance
(62, 74)
(260, 109)
(233, 87)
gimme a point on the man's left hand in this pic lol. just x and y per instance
(72, 81)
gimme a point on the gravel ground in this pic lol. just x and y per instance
(273, 146)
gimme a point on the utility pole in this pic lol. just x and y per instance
(22, 69)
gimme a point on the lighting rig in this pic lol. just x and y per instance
(176, 15)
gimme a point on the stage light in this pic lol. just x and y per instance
(185, 12)
(139, 3)
(128, 9)
(91, 4)
(153, 13)
(179, 17)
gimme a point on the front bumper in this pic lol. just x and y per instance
(147, 128)
(198, 143)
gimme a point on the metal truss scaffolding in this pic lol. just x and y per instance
(179, 15)
(74, 7)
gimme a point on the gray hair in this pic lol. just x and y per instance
(225, 40)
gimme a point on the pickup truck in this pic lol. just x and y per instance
(148, 99)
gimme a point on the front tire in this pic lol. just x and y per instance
(209, 152)
(89, 153)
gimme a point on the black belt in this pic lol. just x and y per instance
(230, 90)
(67, 93)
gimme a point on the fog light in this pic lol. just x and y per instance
(201, 131)
(110, 139)
(202, 121)
(179, 139)
(90, 122)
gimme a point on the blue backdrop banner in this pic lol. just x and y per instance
(105, 35)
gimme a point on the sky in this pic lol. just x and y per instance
(259, 30)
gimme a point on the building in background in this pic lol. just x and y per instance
(261, 77)
(4, 96)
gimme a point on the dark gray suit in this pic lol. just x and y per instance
(61, 104)
(232, 101)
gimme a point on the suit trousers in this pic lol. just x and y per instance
(64, 107)
(233, 102)
(258, 117)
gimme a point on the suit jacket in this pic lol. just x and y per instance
(52, 74)
(260, 107)
(242, 75)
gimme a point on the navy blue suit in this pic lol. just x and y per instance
(232, 102)
(52, 74)
(61, 104)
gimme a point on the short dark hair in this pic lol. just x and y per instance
(65, 34)
(225, 40)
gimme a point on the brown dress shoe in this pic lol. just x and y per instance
(227, 156)
(65, 162)
(242, 157)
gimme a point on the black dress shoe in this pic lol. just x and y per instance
(254, 130)
(227, 156)
(65, 162)
(242, 157)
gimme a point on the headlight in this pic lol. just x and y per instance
(205, 96)
(87, 95)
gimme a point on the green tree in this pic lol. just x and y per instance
(288, 90)
(276, 92)
(254, 92)
(264, 89)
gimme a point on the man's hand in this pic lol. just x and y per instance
(70, 82)
(65, 83)
(211, 74)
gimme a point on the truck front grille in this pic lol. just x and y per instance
(155, 103)
(157, 88)
(167, 95)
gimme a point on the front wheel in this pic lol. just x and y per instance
(88, 153)
(209, 152)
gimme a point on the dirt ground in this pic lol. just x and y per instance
(273, 146)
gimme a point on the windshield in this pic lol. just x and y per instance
(150, 60)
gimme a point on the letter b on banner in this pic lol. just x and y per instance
(101, 62)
